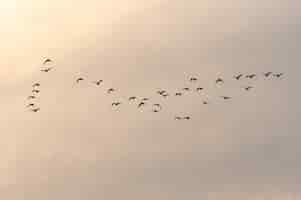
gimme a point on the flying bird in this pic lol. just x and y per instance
(278, 75)
(98, 82)
(251, 76)
(48, 60)
(186, 89)
(36, 85)
(110, 90)
(35, 91)
(193, 79)
(178, 118)
(238, 76)
(219, 80)
(187, 118)
(225, 97)
(165, 95)
(31, 97)
(141, 104)
(178, 94)
(145, 99)
(35, 109)
(30, 105)
(132, 98)
(79, 79)
(116, 103)
(205, 102)
(161, 92)
(267, 74)
(199, 89)
(46, 70)
(248, 88)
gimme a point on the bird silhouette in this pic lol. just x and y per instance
(109, 91)
(187, 118)
(35, 109)
(248, 88)
(178, 118)
(98, 82)
(205, 102)
(132, 98)
(116, 103)
(193, 79)
(79, 79)
(30, 105)
(178, 94)
(186, 89)
(161, 92)
(199, 89)
(46, 70)
(145, 99)
(36, 85)
(225, 97)
(278, 75)
(31, 97)
(165, 95)
(219, 80)
(35, 91)
(48, 60)
(267, 74)
(141, 104)
(238, 76)
(251, 76)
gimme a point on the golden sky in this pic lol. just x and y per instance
(77, 147)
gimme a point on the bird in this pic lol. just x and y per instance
(199, 89)
(165, 95)
(141, 104)
(178, 94)
(48, 60)
(267, 74)
(178, 118)
(161, 92)
(278, 75)
(225, 97)
(145, 99)
(110, 90)
(186, 89)
(46, 70)
(98, 82)
(250, 76)
(248, 88)
(116, 103)
(193, 79)
(35, 109)
(155, 110)
(36, 85)
(132, 98)
(238, 76)
(219, 80)
(205, 102)
(79, 79)
(30, 105)
(187, 118)
(31, 97)
(35, 91)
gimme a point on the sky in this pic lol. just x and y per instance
(78, 147)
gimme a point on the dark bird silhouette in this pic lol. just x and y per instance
(30, 105)
(116, 103)
(225, 97)
(205, 102)
(161, 92)
(145, 99)
(35, 91)
(251, 76)
(48, 60)
(219, 80)
(178, 118)
(186, 89)
(35, 109)
(46, 70)
(156, 111)
(36, 85)
(193, 79)
(178, 94)
(31, 97)
(238, 76)
(110, 90)
(141, 104)
(199, 89)
(98, 82)
(79, 79)
(132, 98)
(278, 75)
(267, 74)
(165, 95)
(187, 118)
(248, 88)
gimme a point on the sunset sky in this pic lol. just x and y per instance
(77, 147)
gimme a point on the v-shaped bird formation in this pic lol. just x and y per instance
(155, 107)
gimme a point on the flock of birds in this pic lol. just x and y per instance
(156, 107)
